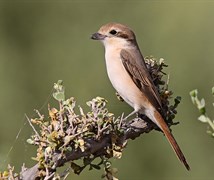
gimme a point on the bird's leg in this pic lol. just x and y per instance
(132, 113)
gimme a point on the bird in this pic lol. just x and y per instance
(130, 77)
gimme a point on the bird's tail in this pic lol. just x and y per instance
(163, 126)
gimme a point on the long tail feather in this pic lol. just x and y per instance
(163, 126)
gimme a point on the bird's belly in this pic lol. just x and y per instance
(123, 83)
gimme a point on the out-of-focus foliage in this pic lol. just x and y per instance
(43, 41)
(200, 104)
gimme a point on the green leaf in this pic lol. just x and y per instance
(59, 91)
(89, 103)
(202, 118)
(161, 60)
(69, 149)
(202, 110)
(202, 102)
(194, 93)
(60, 82)
(201, 106)
(30, 141)
(59, 96)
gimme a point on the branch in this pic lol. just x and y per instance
(133, 129)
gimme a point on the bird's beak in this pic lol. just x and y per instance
(98, 36)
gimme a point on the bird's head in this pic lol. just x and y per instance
(114, 34)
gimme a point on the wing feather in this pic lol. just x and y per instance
(138, 72)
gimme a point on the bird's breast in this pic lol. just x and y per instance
(121, 80)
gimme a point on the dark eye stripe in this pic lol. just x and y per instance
(122, 35)
(119, 34)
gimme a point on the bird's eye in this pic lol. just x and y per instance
(113, 32)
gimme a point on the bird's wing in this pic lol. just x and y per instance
(135, 66)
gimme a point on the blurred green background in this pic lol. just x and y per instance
(43, 41)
